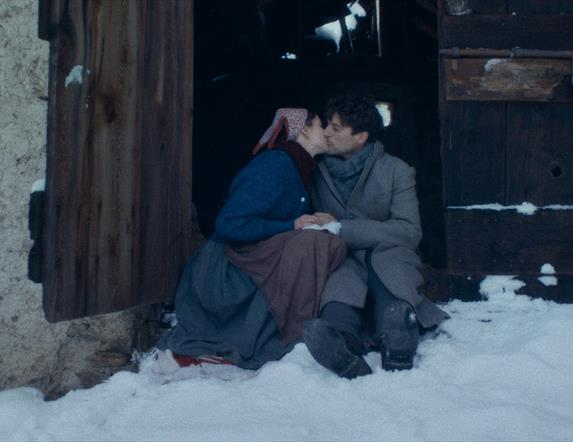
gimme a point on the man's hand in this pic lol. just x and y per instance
(305, 220)
(323, 218)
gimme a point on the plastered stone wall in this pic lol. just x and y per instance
(51, 357)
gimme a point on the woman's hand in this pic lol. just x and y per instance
(305, 220)
(323, 218)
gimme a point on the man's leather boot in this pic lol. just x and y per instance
(399, 336)
(330, 349)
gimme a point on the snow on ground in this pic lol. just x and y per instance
(500, 370)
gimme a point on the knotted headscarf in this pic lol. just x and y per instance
(289, 119)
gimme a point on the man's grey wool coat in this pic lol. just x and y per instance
(381, 215)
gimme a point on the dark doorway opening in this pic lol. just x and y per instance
(245, 69)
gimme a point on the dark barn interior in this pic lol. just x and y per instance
(242, 76)
(480, 93)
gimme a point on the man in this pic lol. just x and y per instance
(373, 196)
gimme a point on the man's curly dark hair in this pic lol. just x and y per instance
(358, 112)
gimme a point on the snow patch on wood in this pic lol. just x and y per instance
(524, 208)
(491, 63)
(557, 207)
(39, 186)
(499, 284)
(76, 75)
(548, 281)
(547, 269)
(289, 56)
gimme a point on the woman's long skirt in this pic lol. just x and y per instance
(220, 311)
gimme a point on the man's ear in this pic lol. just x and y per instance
(362, 137)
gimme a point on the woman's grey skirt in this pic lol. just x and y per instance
(220, 311)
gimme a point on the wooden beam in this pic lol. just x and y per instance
(487, 242)
(505, 79)
(507, 31)
(531, 7)
(516, 52)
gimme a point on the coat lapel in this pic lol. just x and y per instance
(330, 183)
(377, 152)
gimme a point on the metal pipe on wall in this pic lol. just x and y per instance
(378, 30)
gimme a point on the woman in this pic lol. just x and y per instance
(245, 295)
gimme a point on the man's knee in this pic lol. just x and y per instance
(342, 317)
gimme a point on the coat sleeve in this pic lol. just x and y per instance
(255, 191)
(401, 229)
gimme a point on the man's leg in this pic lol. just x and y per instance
(333, 340)
(395, 324)
(343, 317)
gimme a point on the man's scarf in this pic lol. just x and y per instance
(345, 173)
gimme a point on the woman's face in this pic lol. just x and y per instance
(316, 137)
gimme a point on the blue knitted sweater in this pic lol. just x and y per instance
(264, 199)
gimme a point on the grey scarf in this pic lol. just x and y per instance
(345, 173)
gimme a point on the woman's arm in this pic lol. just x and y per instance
(255, 196)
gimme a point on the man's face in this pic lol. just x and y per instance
(315, 134)
(341, 140)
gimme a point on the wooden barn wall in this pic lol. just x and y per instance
(509, 148)
(118, 189)
(534, 24)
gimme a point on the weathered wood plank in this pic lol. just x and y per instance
(65, 238)
(531, 7)
(502, 32)
(111, 276)
(506, 79)
(443, 287)
(520, 7)
(473, 152)
(108, 173)
(483, 242)
(167, 157)
(540, 154)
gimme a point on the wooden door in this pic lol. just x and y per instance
(507, 136)
(117, 218)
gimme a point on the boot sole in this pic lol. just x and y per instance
(398, 338)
